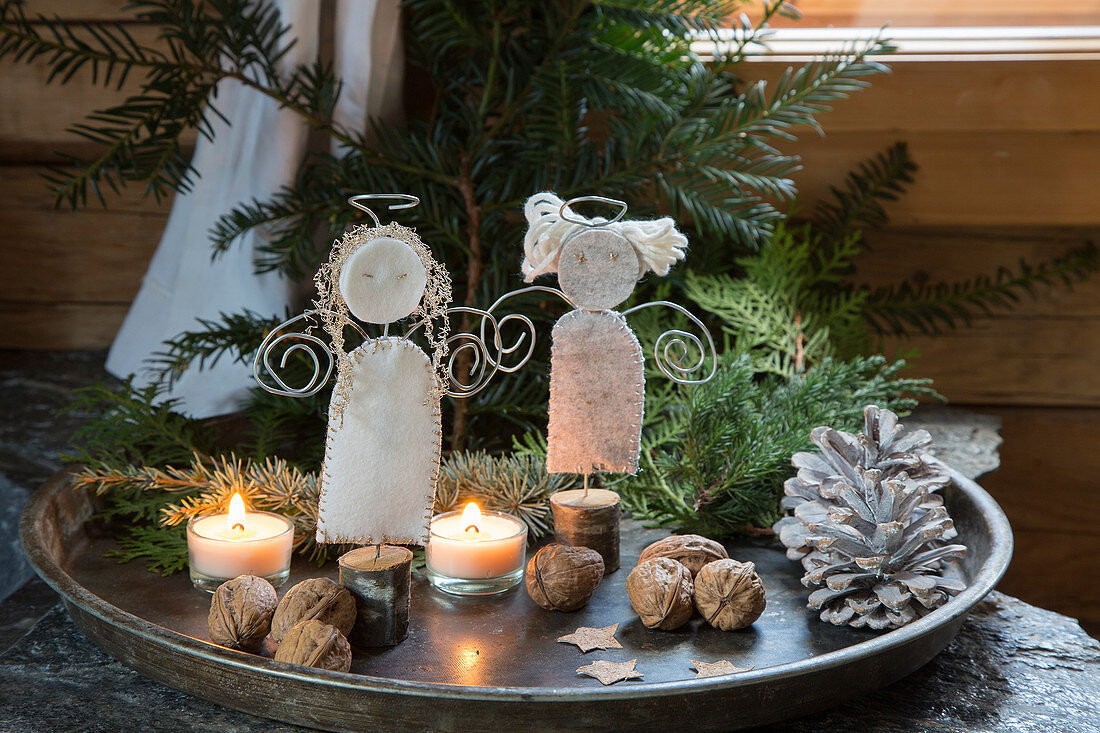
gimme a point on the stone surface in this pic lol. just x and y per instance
(14, 570)
(966, 441)
(54, 679)
(37, 386)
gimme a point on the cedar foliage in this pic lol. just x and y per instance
(717, 462)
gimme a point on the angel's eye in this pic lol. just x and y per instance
(581, 259)
(367, 274)
(614, 255)
(402, 276)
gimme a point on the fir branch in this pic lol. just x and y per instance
(237, 334)
(882, 178)
(201, 44)
(932, 308)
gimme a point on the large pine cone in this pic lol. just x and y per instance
(873, 539)
(883, 445)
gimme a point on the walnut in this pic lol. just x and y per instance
(240, 612)
(316, 644)
(729, 594)
(660, 592)
(693, 550)
(316, 598)
(563, 578)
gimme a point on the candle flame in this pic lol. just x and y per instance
(236, 513)
(471, 518)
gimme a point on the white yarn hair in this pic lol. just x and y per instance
(658, 243)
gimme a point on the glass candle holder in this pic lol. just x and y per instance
(218, 550)
(475, 557)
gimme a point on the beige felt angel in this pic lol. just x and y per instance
(382, 446)
(597, 382)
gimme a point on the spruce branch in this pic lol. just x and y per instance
(517, 485)
(206, 484)
(163, 549)
(132, 425)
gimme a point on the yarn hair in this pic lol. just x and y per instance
(657, 242)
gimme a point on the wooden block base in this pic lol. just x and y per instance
(589, 519)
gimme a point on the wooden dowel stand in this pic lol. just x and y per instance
(589, 519)
(381, 581)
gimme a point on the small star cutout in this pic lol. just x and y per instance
(716, 669)
(587, 638)
(608, 673)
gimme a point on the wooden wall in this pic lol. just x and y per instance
(66, 279)
(1009, 152)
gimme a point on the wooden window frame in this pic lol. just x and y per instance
(940, 44)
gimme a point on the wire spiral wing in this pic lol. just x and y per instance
(294, 342)
(676, 340)
(530, 331)
(486, 355)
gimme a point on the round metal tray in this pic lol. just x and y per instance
(490, 664)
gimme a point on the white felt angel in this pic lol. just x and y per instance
(382, 446)
(597, 381)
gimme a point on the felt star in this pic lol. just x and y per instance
(608, 673)
(587, 638)
(716, 669)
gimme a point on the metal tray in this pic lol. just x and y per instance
(487, 665)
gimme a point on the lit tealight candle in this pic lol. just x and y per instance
(476, 553)
(222, 546)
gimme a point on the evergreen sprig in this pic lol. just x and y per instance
(162, 549)
(720, 472)
(788, 308)
(129, 425)
(204, 484)
(200, 45)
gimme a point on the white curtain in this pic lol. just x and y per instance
(251, 158)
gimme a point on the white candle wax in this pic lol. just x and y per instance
(217, 550)
(496, 548)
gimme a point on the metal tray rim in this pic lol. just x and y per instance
(73, 593)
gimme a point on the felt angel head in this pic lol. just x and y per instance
(598, 261)
(380, 275)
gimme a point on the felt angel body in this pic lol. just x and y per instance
(382, 446)
(597, 380)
